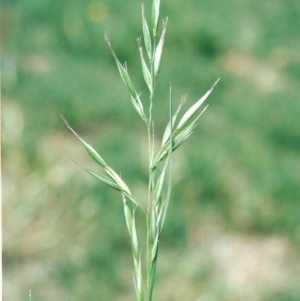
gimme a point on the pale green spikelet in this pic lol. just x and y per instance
(159, 48)
(155, 15)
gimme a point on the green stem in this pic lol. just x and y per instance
(149, 207)
(151, 266)
(152, 277)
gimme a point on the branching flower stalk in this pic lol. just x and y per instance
(160, 162)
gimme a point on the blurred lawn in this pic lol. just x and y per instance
(233, 229)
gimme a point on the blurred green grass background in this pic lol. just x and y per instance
(233, 229)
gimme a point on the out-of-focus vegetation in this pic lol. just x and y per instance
(233, 229)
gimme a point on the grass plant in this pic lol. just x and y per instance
(177, 131)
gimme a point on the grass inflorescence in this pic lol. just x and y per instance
(150, 48)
